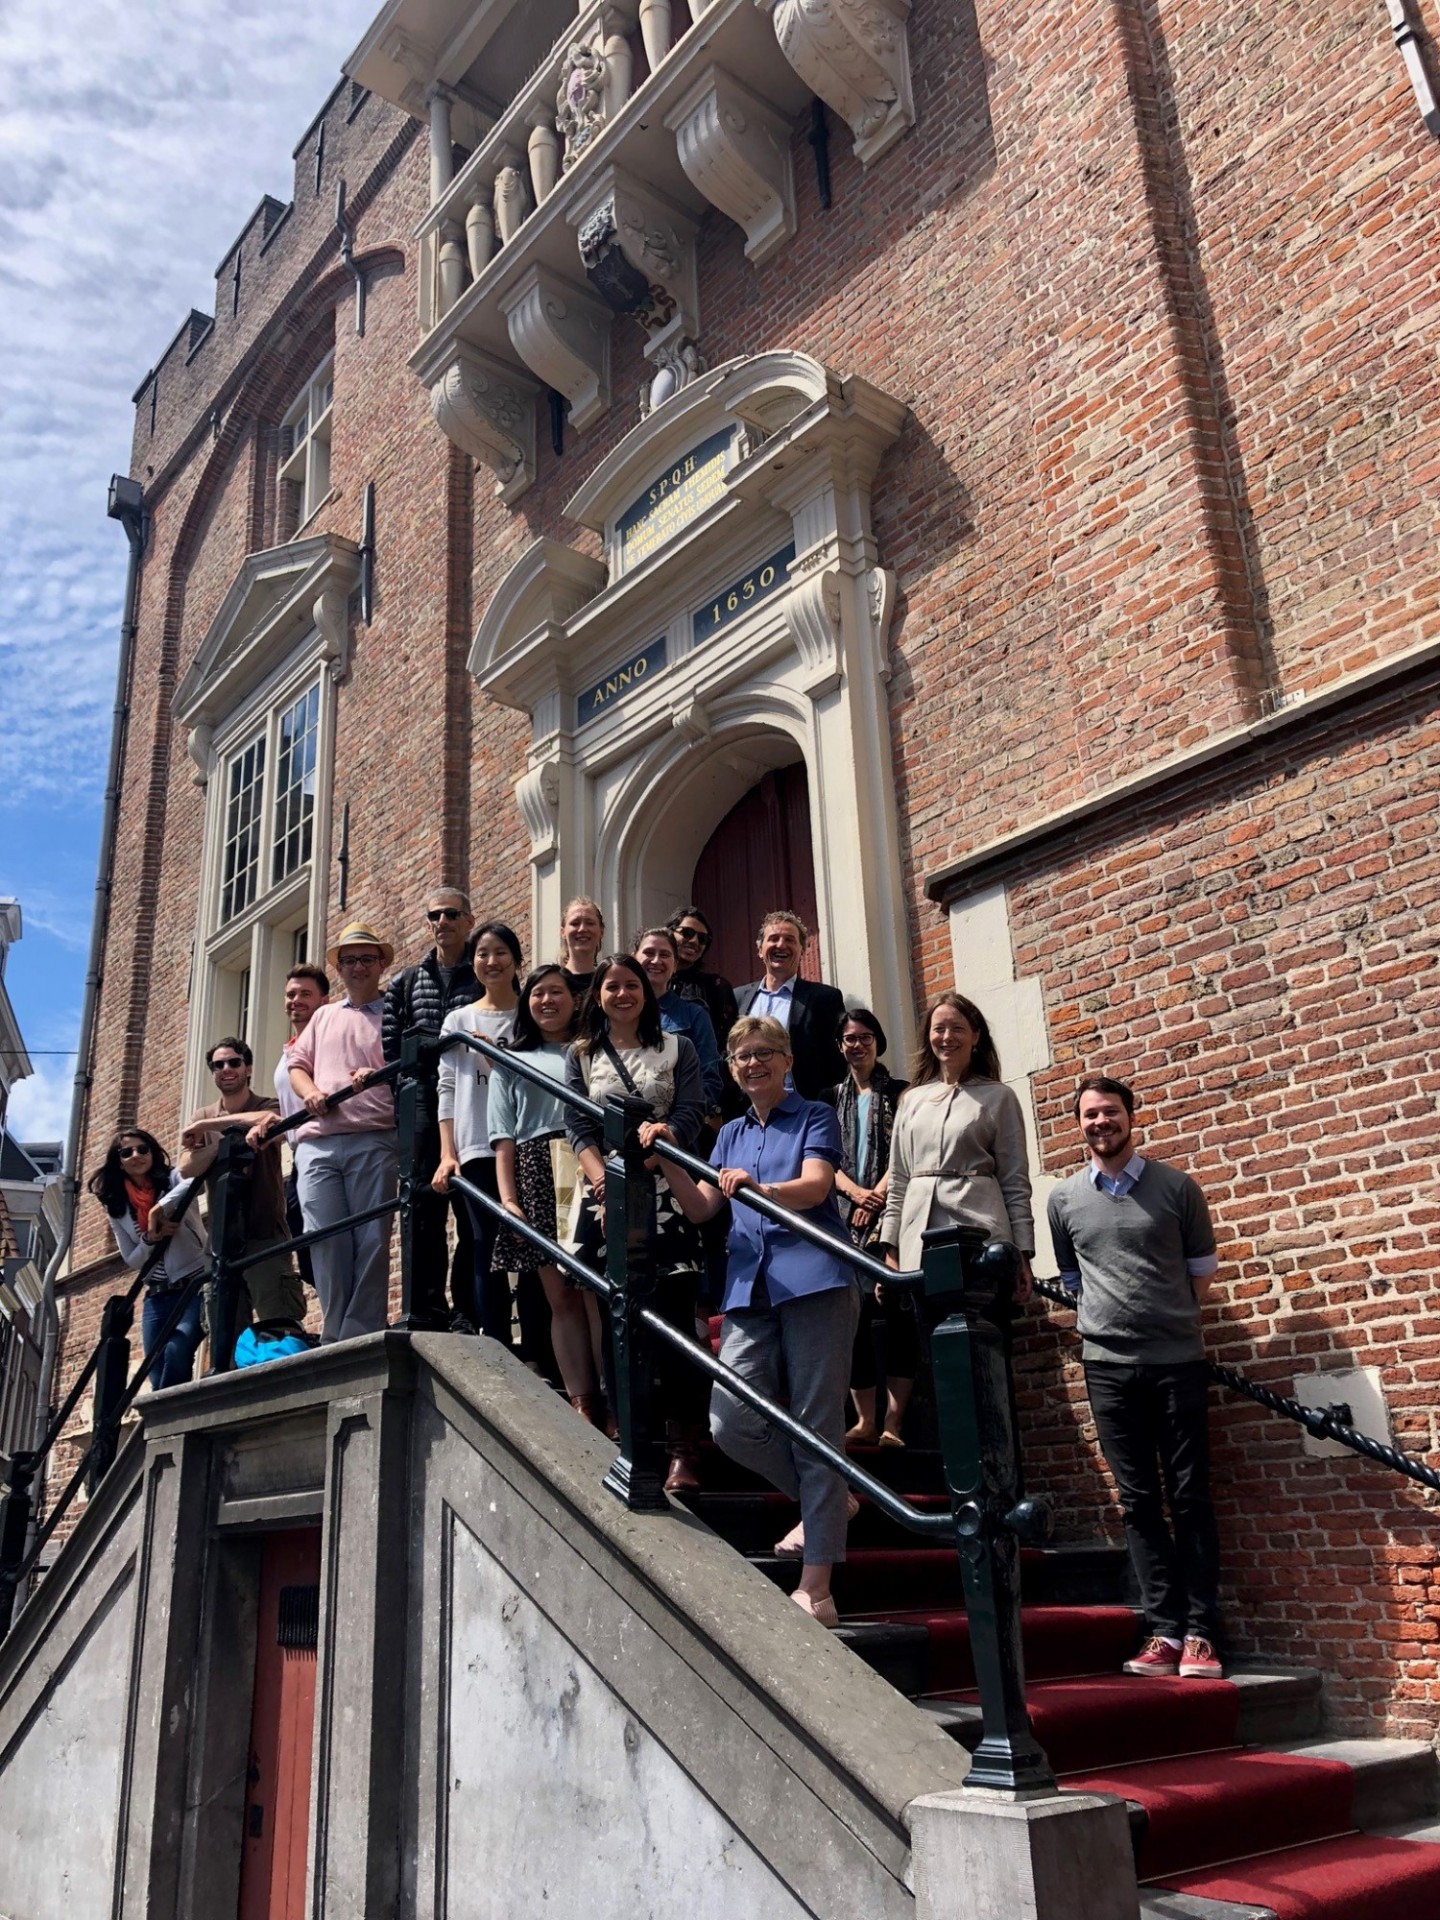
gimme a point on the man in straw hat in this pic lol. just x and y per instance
(345, 1156)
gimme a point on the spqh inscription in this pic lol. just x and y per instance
(692, 482)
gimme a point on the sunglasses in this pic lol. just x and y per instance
(219, 1066)
(133, 1153)
(695, 936)
(436, 914)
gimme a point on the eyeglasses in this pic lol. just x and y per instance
(436, 914)
(219, 1065)
(754, 1057)
(133, 1153)
(359, 959)
(857, 1040)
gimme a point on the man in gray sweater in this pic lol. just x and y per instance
(1133, 1239)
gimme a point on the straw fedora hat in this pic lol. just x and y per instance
(358, 934)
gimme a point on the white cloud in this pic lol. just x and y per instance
(40, 1106)
(134, 143)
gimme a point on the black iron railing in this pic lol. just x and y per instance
(962, 1293)
(1323, 1423)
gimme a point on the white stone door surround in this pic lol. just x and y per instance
(739, 622)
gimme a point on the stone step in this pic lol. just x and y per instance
(1276, 1704)
(1395, 1780)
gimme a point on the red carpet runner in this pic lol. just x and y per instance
(1222, 1821)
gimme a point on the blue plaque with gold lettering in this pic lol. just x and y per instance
(692, 482)
(624, 679)
(742, 594)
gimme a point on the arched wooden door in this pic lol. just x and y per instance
(757, 859)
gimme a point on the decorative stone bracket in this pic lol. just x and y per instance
(638, 250)
(538, 794)
(488, 410)
(735, 148)
(855, 54)
(562, 333)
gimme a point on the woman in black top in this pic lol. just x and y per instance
(582, 928)
(887, 1336)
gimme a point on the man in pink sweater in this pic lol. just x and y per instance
(345, 1156)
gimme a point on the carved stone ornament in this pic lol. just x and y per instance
(331, 614)
(812, 613)
(690, 718)
(562, 333)
(638, 251)
(198, 745)
(855, 54)
(538, 794)
(488, 410)
(676, 364)
(580, 101)
(735, 147)
(880, 599)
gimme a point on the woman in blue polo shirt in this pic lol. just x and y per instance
(790, 1308)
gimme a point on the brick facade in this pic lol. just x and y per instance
(1158, 286)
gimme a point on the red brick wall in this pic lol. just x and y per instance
(1259, 956)
(1158, 287)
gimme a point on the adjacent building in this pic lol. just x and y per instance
(966, 472)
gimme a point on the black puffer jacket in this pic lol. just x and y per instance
(416, 997)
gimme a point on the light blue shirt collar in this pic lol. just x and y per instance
(1118, 1184)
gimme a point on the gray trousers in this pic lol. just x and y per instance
(338, 1174)
(798, 1353)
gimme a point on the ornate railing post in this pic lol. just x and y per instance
(966, 1281)
(228, 1185)
(638, 1474)
(112, 1374)
(15, 1511)
(409, 1125)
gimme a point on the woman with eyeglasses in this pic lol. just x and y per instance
(865, 1103)
(536, 1173)
(133, 1179)
(790, 1307)
(622, 1048)
(693, 940)
(582, 928)
(464, 1129)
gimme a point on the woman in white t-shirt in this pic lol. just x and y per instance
(464, 1126)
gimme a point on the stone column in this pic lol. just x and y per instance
(979, 1855)
(442, 153)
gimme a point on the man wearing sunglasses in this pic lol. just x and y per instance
(271, 1290)
(421, 996)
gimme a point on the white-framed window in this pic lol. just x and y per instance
(305, 440)
(263, 895)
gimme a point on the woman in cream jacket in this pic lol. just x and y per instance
(957, 1154)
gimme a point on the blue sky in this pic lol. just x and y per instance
(134, 143)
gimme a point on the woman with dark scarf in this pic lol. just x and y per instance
(131, 1183)
(865, 1104)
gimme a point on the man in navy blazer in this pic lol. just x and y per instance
(809, 1011)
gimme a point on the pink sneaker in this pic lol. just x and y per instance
(1199, 1660)
(1156, 1660)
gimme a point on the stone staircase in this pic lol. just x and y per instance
(1241, 1807)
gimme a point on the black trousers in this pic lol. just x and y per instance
(428, 1306)
(486, 1301)
(295, 1220)
(1154, 1428)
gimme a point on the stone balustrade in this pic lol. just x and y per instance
(583, 198)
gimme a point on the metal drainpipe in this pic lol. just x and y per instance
(127, 505)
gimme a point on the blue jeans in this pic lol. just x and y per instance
(175, 1362)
